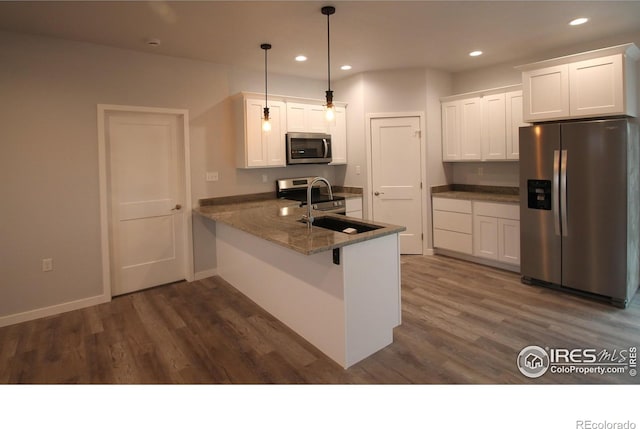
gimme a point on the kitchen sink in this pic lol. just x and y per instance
(343, 225)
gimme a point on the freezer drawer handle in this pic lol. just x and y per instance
(555, 195)
(563, 193)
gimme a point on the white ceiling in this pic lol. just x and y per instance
(369, 35)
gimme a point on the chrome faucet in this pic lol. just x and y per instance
(308, 218)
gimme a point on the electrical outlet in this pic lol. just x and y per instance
(211, 176)
(357, 169)
(265, 178)
(47, 264)
(480, 171)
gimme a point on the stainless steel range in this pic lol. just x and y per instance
(296, 189)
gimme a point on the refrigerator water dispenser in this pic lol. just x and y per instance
(539, 194)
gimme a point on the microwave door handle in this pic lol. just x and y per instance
(326, 147)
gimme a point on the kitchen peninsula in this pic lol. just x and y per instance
(339, 291)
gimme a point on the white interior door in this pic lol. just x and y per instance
(396, 177)
(147, 197)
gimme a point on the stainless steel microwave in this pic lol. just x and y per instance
(308, 148)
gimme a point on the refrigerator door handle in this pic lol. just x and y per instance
(563, 193)
(556, 191)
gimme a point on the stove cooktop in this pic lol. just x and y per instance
(296, 190)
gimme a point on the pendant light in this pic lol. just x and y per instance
(329, 108)
(266, 123)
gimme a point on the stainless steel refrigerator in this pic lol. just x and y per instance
(580, 207)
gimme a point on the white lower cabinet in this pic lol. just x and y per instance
(485, 239)
(496, 232)
(509, 241)
(485, 230)
(353, 207)
(452, 225)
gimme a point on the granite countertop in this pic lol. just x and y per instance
(495, 194)
(277, 220)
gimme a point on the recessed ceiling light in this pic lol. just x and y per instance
(345, 67)
(475, 53)
(579, 21)
(301, 58)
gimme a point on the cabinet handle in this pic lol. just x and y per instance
(177, 207)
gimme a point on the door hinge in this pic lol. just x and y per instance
(420, 185)
(418, 133)
(422, 236)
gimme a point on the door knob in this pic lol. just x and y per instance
(376, 193)
(177, 207)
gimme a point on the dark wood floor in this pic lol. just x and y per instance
(462, 323)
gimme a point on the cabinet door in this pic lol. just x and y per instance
(470, 129)
(485, 237)
(353, 207)
(513, 101)
(450, 131)
(509, 241)
(494, 128)
(255, 151)
(338, 131)
(275, 139)
(263, 149)
(296, 117)
(306, 118)
(546, 93)
(316, 119)
(597, 87)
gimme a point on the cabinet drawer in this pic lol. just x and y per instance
(503, 211)
(452, 221)
(452, 205)
(455, 241)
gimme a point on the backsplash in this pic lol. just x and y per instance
(487, 173)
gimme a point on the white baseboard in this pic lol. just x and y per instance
(38, 313)
(429, 252)
(205, 274)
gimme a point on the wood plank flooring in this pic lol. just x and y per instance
(461, 323)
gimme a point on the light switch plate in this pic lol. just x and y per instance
(211, 176)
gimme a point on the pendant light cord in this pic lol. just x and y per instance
(265, 78)
(328, 54)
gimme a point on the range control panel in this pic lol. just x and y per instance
(539, 194)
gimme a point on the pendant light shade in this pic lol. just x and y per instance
(266, 123)
(329, 108)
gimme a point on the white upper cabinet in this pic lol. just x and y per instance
(461, 130)
(513, 104)
(450, 131)
(259, 149)
(546, 93)
(597, 87)
(494, 121)
(338, 131)
(591, 84)
(256, 148)
(306, 118)
(470, 129)
(482, 126)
